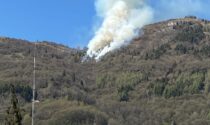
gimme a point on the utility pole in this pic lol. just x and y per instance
(34, 86)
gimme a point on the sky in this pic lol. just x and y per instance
(69, 22)
(63, 21)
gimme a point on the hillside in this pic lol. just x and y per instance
(161, 78)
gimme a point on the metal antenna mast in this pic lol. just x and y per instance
(34, 86)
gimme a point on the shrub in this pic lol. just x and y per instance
(125, 78)
(157, 87)
(4, 88)
(170, 91)
(125, 82)
(190, 33)
(156, 53)
(79, 116)
(123, 92)
(181, 49)
(205, 50)
(105, 80)
(13, 113)
(24, 91)
(186, 83)
(197, 80)
(207, 85)
(80, 97)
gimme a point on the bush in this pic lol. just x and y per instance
(24, 91)
(125, 78)
(170, 91)
(123, 92)
(174, 90)
(186, 83)
(205, 50)
(190, 33)
(207, 85)
(80, 97)
(125, 82)
(104, 80)
(197, 80)
(158, 52)
(4, 88)
(157, 88)
(181, 49)
(79, 116)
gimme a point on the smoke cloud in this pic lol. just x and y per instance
(123, 19)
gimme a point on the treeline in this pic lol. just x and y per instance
(196, 82)
(158, 52)
(124, 82)
(24, 91)
(190, 32)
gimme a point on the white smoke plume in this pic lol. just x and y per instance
(122, 20)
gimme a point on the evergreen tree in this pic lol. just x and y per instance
(13, 113)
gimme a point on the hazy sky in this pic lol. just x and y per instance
(71, 22)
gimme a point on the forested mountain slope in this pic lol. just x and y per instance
(161, 78)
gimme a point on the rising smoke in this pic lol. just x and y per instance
(122, 21)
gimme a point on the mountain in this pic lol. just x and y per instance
(161, 78)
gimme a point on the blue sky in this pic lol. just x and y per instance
(63, 21)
